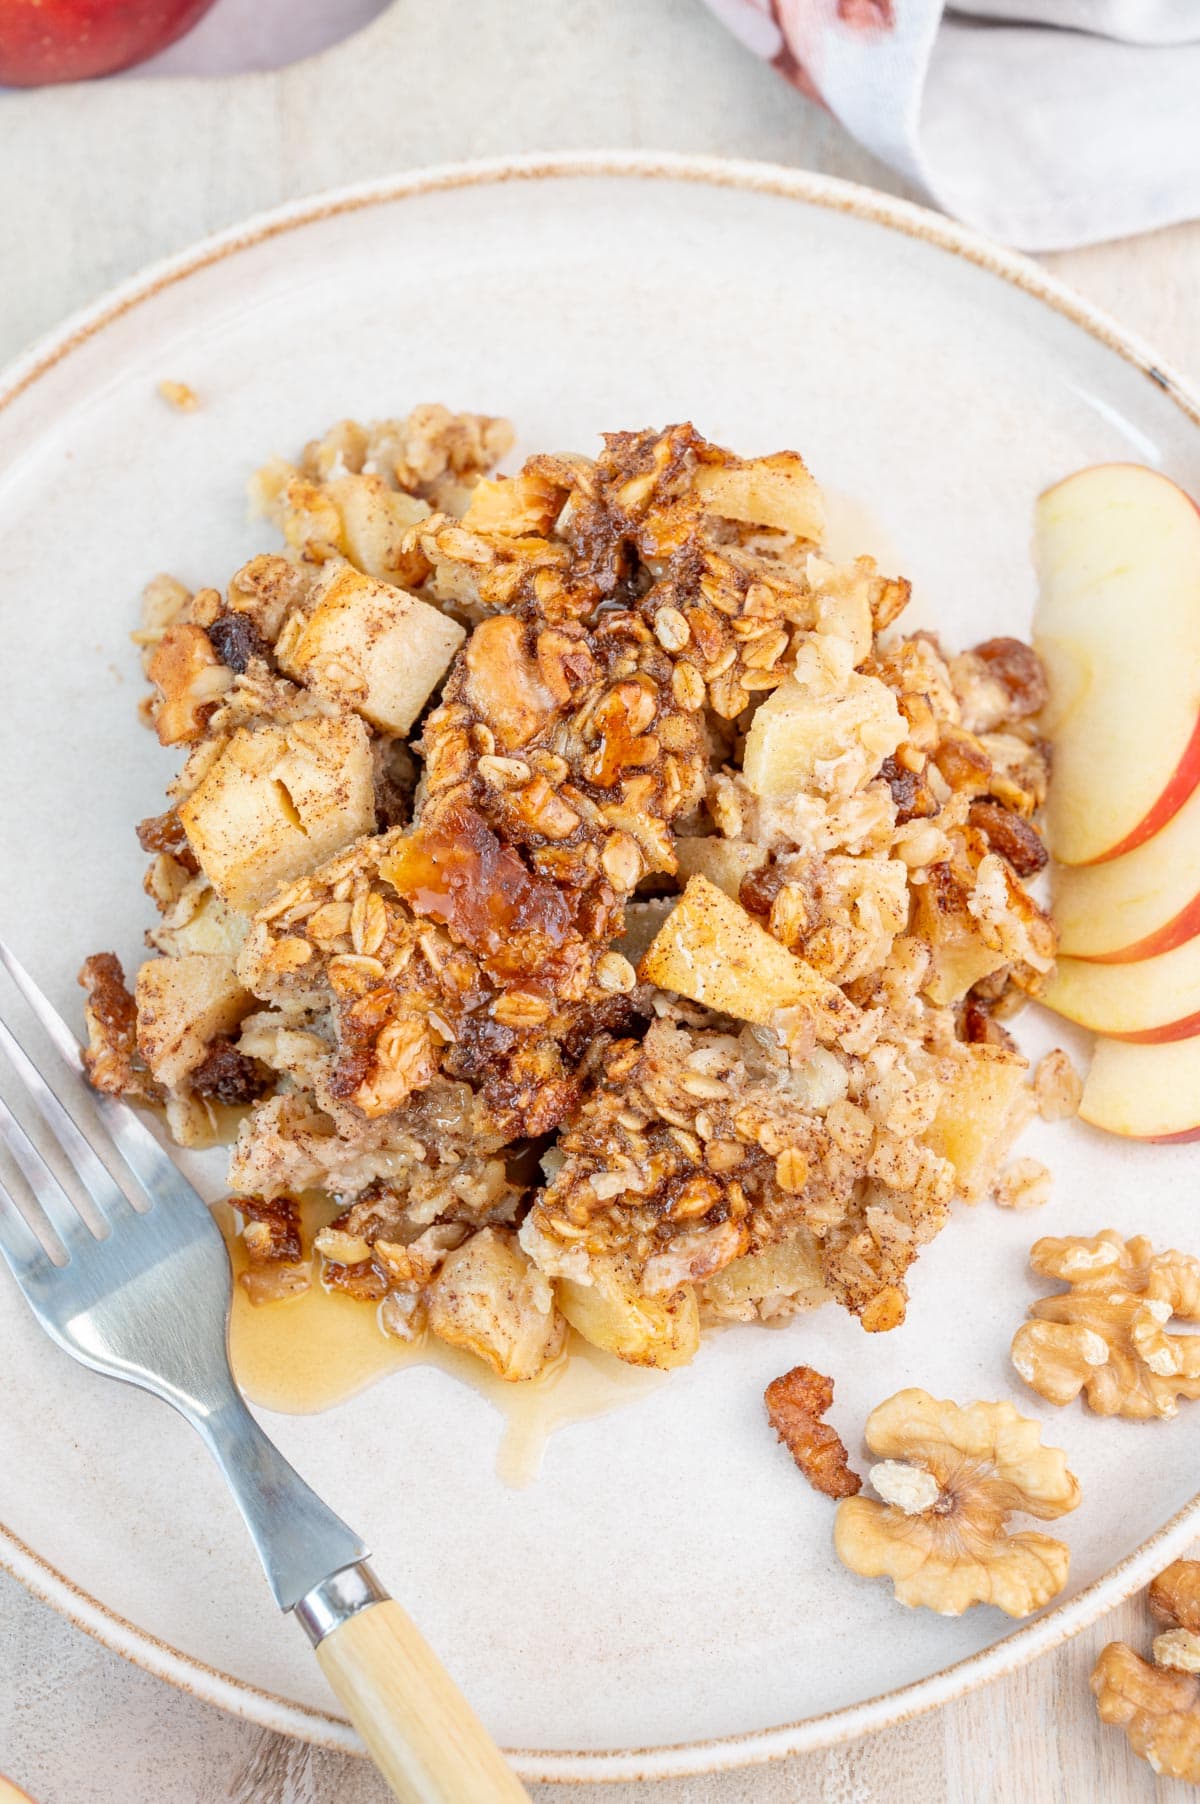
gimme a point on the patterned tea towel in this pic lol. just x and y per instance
(1047, 123)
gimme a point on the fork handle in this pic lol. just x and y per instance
(418, 1728)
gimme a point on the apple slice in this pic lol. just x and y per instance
(1118, 627)
(1144, 1092)
(1153, 999)
(1136, 906)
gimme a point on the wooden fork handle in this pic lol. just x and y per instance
(418, 1728)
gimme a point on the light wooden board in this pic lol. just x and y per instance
(104, 178)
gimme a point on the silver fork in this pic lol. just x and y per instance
(144, 1296)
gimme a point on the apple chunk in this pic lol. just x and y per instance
(1132, 907)
(183, 1004)
(276, 804)
(614, 1315)
(984, 1104)
(370, 646)
(724, 862)
(1144, 1092)
(824, 735)
(1118, 628)
(1151, 999)
(775, 491)
(712, 950)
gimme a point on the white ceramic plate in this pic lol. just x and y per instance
(665, 1598)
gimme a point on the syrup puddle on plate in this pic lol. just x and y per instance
(310, 1352)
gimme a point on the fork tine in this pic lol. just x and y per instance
(19, 1244)
(64, 1040)
(52, 1199)
(99, 1183)
(159, 1176)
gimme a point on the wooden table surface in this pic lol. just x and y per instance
(100, 180)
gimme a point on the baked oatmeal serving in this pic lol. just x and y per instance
(578, 880)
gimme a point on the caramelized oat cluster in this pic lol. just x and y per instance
(572, 876)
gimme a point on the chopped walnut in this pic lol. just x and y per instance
(111, 1058)
(275, 1263)
(795, 1405)
(950, 1478)
(1023, 1184)
(1106, 1335)
(1000, 680)
(191, 681)
(1158, 1705)
(1057, 1087)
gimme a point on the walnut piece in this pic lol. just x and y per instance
(945, 1544)
(795, 1404)
(1107, 1334)
(190, 680)
(1023, 1184)
(112, 1058)
(1174, 1596)
(1057, 1087)
(1158, 1704)
(275, 1263)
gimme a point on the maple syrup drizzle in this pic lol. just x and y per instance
(310, 1352)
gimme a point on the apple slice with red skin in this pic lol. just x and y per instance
(45, 41)
(1118, 628)
(1150, 1000)
(1136, 906)
(1144, 1092)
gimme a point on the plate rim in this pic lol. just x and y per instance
(754, 1747)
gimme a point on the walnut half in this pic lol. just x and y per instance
(1158, 1705)
(949, 1478)
(1106, 1335)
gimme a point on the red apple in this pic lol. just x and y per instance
(1153, 999)
(1145, 1092)
(1118, 625)
(1136, 906)
(69, 40)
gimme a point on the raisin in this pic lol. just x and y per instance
(164, 833)
(910, 791)
(1017, 666)
(758, 889)
(235, 639)
(227, 1075)
(1009, 835)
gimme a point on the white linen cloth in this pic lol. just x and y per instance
(1046, 123)
(241, 35)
